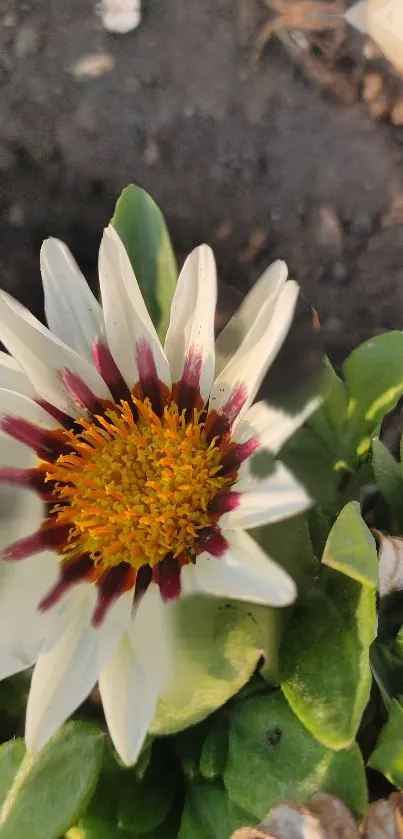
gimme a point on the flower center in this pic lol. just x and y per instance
(136, 487)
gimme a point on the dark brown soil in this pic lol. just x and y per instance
(258, 162)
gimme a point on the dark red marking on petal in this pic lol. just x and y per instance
(75, 570)
(53, 536)
(108, 369)
(48, 444)
(187, 393)
(213, 542)
(81, 393)
(111, 585)
(150, 384)
(237, 454)
(64, 419)
(26, 478)
(224, 502)
(167, 575)
(143, 579)
(219, 424)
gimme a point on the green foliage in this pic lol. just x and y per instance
(387, 757)
(209, 813)
(142, 228)
(214, 753)
(389, 476)
(219, 645)
(144, 805)
(272, 756)
(350, 547)
(325, 659)
(387, 666)
(42, 795)
(373, 374)
(289, 544)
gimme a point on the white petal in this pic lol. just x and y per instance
(9, 665)
(261, 298)
(17, 405)
(69, 665)
(129, 327)
(151, 635)
(72, 312)
(137, 674)
(190, 337)
(244, 572)
(243, 375)
(21, 510)
(21, 513)
(44, 357)
(276, 497)
(271, 425)
(12, 376)
(23, 585)
(129, 700)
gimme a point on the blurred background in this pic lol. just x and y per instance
(266, 129)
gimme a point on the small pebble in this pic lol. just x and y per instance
(120, 16)
(333, 326)
(327, 229)
(338, 272)
(9, 20)
(93, 66)
(362, 224)
(151, 154)
(26, 41)
(16, 215)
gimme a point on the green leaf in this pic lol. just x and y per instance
(289, 544)
(272, 757)
(145, 805)
(314, 464)
(373, 375)
(215, 748)
(100, 818)
(43, 795)
(325, 659)
(13, 695)
(209, 813)
(92, 827)
(389, 477)
(141, 226)
(351, 548)
(387, 666)
(219, 646)
(329, 421)
(387, 756)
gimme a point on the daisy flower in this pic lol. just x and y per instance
(129, 475)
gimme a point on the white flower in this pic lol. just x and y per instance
(129, 473)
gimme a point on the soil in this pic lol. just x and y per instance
(258, 161)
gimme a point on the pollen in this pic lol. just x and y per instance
(135, 486)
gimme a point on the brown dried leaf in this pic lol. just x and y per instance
(334, 816)
(390, 555)
(384, 819)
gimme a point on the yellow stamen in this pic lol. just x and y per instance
(135, 490)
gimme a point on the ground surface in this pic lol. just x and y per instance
(258, 162)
